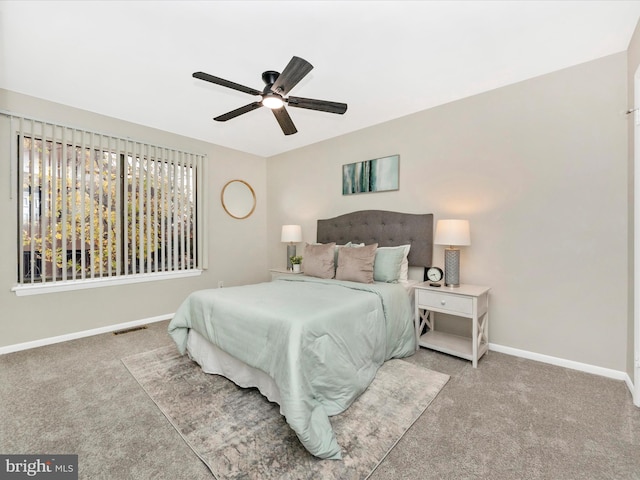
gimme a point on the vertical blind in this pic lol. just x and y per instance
(95, 205)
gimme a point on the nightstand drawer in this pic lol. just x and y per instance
(445, 301)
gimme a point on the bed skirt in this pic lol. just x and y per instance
(216, 361)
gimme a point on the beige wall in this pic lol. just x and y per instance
(540, 170)
(237, 248)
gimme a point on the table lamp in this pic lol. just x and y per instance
(452, 233)
(291, 234)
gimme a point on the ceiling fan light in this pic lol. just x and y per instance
(272, 101)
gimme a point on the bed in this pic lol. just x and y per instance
(309, 343)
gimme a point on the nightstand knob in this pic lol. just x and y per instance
(443, 302)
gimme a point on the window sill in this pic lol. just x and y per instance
(60, 286)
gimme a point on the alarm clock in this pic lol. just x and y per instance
(434, 274)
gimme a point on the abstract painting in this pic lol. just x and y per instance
(378, 175)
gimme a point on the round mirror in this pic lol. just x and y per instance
(238, 199)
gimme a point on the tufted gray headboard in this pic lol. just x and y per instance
(387, 229)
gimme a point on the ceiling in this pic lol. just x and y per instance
(133, 60)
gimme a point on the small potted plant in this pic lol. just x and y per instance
(296, 260)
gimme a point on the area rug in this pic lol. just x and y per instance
(239, 434)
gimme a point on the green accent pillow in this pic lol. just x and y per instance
(388, 263)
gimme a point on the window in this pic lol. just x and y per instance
(96, 207)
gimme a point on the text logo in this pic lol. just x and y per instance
(50, 467)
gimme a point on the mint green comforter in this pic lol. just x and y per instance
(322, 341)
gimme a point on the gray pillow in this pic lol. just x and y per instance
(337, 252)
(318, 260)
(356, 264)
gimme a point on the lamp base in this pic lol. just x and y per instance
(291, 252)
(452, 267)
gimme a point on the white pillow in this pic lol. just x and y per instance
(404, 267)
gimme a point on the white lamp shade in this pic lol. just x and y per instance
(452, 232)
(291, 233)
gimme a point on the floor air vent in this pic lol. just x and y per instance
(128, 330)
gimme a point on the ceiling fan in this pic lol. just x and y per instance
(274, 94)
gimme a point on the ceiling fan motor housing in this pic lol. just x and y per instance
(269, 77)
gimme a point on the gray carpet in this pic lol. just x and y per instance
(508, 419)
(241, 435)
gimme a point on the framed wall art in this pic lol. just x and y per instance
(377, 175)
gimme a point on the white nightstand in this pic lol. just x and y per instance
(276, 272)
(469, 301)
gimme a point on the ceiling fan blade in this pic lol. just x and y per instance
(296, 70)
(321, 105)
(237, 112)
(226, 83)
(283, 118)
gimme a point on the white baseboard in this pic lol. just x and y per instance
(629, 382)
(562, 362)
(86, 333)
